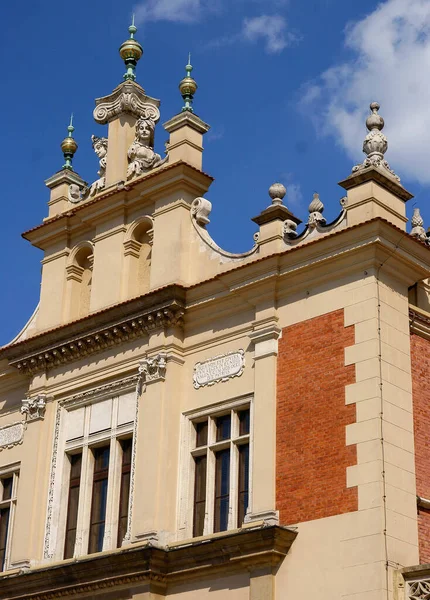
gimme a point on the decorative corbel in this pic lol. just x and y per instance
(153, 368)
(34, 408)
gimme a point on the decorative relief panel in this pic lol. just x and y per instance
(34, 408)
(219, 368)
(419, 590)
(11, 435)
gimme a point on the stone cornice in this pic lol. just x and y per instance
(158, 310)
(249, 548)
(117, 196)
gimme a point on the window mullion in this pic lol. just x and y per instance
(210, 493)
(233, 499)
(112, 505)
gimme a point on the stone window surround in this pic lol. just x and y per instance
(11, 470)
(60, 469)
(186, 476)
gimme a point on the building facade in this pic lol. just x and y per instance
(177, 420)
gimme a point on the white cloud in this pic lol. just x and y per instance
(271, 28)
(390, 63)
(179, 11)
(294, 197)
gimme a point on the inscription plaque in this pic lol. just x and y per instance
(219, 368)
(11, 435)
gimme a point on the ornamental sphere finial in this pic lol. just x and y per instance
(69, 146)
(188, 87)
(374, 120)
(131, 52)
(277, 192)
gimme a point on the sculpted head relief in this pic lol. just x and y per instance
(141, 155)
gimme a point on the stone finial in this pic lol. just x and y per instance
(417, 223)
(316, 208)
(277, 192)
(375, 144)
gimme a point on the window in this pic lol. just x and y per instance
(106, 484)
(124, 495)
(219, 447)
(8, 491)
(72, 505)
(99, 499)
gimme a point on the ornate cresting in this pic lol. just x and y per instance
(375, 144)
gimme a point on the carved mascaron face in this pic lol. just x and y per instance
(143, 132)
(100, 149)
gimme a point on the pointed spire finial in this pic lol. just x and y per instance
(131, 52)
(316, 208)
(188, 87)
(375, 144)
(69, 146)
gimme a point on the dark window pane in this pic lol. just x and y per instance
(222, 490)
(7, 484)
(4, 526)
(126, 446)
(243, 496)
(201, 434)
(99, 499)
(72, 505)
(223, 428)
(243, 422)
(199, 495)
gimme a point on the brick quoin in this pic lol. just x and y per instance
(311, 451)
(420, 359)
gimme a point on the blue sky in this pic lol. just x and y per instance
(285, 85)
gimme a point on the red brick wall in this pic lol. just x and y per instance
(420, 358)
(311, 455)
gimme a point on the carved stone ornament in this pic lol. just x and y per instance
(289, 229)
(11, 435)
(316, 208)
(78, 194)
(34, 408)
(129, 98)
(219, 368)
(375, 144)
(200, 210)
(141, 155)
(417, 223)
(419, 590)
(154, 368)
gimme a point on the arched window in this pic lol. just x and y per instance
(137, 254)
(79, 272)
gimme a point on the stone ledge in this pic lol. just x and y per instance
(241, 549)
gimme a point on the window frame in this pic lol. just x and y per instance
(189, 451)
(87, 444)
(6, 473)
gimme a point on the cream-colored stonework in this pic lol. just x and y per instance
(146, 327)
